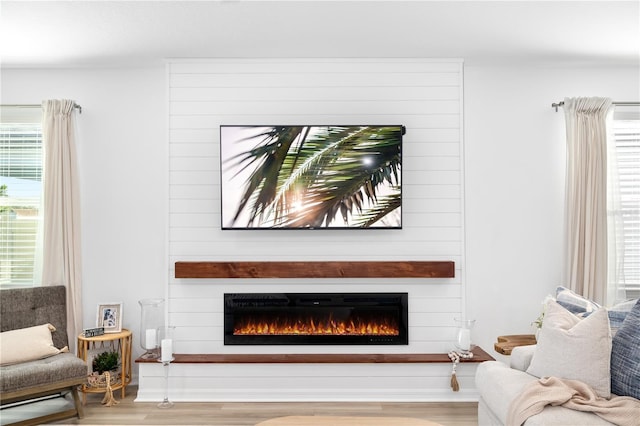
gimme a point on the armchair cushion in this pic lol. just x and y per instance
(33, 374)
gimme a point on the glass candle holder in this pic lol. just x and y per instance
(151, 321)
(463, 340)
(166, 356)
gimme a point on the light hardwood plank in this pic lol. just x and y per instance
(128, 412)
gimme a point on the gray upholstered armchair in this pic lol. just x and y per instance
(51, 373)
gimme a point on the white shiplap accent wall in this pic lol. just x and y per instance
(422, 94)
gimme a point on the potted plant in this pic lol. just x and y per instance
(104, 362)
(537, 324)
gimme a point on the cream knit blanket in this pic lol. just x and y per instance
(573, 394)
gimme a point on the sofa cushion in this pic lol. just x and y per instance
(583, 307)
(498, 385)
(27, 344)
(62, 367)
(575, 303)
(625, 356)
(521, 357)
(618, 313)
(573, 348)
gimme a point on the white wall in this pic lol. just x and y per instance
(514, 174)
(514, 156)
(123, 168)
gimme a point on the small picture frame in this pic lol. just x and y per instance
(110, 317)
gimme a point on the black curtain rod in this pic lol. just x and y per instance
(79, 107)
(557, 105)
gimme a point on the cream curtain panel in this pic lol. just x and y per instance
(61, 241)
(586, 196)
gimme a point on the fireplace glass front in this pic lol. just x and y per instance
(316, 319)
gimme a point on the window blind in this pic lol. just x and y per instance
(627, 146)
(21, 159)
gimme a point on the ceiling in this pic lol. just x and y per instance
(139, 33)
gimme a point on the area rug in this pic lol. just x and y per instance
(345, 421)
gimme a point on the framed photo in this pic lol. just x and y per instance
(110, 317)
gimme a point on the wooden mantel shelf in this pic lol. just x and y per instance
(479, 355)
(359, 269)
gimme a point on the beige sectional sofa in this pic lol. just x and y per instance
(571, 348)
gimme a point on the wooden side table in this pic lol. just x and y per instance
(88, 347)
(505, 344)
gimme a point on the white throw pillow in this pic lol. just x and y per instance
(27, 344)
(574, 348)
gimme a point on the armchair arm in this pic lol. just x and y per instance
(521, 357)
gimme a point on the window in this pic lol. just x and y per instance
(21, 159)
(624, 205)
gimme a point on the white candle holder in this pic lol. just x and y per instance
(166, 357)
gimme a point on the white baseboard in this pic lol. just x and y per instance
(308, 395)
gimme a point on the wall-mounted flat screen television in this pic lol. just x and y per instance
(311, 177)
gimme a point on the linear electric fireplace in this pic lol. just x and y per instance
(315, 319)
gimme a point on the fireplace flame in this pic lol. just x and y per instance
(316, 326)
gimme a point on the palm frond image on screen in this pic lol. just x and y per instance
(311, 177)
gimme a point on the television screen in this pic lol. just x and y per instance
(311, 177)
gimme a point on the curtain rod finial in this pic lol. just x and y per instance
(557, 105)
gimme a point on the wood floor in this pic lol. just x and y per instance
(231, 414)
